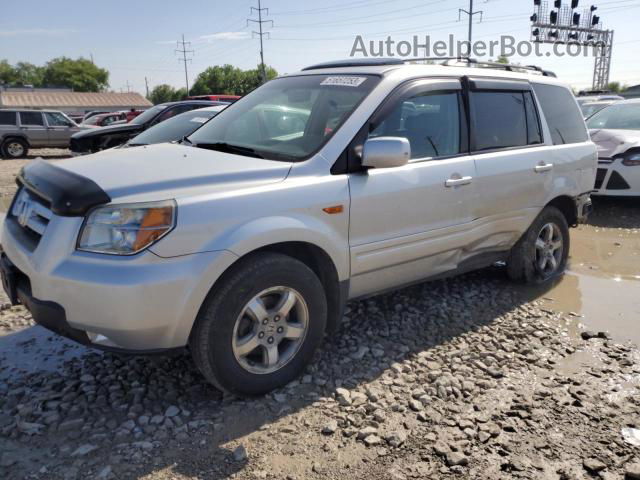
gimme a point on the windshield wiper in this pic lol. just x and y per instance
(229, 148)
(185, 139)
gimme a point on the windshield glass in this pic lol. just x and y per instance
(175, 128)
(619, 116)
(589, 109)
(92, 120)
(147, 115)
(287, 118)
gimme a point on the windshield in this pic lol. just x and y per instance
(147, 115)
(619, 116)
(589, 109)
(287, 118)
(92, 120)
(175, 128)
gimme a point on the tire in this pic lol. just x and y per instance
(233, 346)
(13, 148)
(526, 262)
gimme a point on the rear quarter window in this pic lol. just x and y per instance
(562, 114)
(7, 118)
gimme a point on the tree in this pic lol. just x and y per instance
(8, 74)
(502, 59)
(29, 74)
(616, 87)
(81, 75)
(229, 80)
(162, 93)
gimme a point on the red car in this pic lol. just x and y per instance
(104, 119)
(216, 98)
(131, 114)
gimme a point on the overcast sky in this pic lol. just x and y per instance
(136, 38)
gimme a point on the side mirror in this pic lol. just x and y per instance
(386, 152)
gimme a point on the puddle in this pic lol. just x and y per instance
(602, 287)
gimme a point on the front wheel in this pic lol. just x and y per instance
(259, 328)
(542, 252)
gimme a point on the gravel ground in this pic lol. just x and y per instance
(470, 377)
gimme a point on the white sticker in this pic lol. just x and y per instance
(344, 81)
(199, 119)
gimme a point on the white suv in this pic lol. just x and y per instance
(244, 242)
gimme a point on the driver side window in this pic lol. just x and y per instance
(431, 123)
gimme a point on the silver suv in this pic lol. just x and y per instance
(244, 242)
(21, 130)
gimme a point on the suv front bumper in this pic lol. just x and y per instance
(138, 304)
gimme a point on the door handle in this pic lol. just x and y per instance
(545, 167)
(456, 182)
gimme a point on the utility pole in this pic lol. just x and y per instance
(182, 48)
(146, 86)
(471, 14)
(128, 87)
(260, 34)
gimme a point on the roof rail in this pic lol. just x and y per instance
(446, 61)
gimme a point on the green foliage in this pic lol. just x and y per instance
(229, 80)
(81, 75)
(166, 93)
(502, 59)
(616, 87)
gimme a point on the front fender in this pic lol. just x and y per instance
(267, 231)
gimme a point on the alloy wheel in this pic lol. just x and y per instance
(549, 250)
(270, 330)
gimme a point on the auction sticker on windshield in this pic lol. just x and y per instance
(199, 119)
(344, 81)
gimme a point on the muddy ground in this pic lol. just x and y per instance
(471, 377)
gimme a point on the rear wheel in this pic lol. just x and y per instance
(541, 254)
(260, 327)
(14, 148)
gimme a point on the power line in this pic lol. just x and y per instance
(184, 58)
(260, 34)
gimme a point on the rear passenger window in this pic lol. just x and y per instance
(498, 120)
(431, 123)
(561, 113)
(31, 118)
(7, 118)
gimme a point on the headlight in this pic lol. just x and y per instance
(126, 229)
(631, 159)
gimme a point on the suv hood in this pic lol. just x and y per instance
(614, 142)
(159, 172)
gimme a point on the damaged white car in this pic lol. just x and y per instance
(616, 132)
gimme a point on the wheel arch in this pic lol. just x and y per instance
(567, 206)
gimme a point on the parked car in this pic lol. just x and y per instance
(175, 128)
(21, 130)
(131, 114)
(105, 119)
(216, 98)
(88, 115)
(590, 108)
(616, 132)
(244, 244)
(598, 98)
(94, 140)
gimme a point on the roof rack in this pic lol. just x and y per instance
(446, 61)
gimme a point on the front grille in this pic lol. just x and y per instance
(31, 214)
(600, 174)
(616, 182)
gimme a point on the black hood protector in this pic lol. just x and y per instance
(68, 194)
